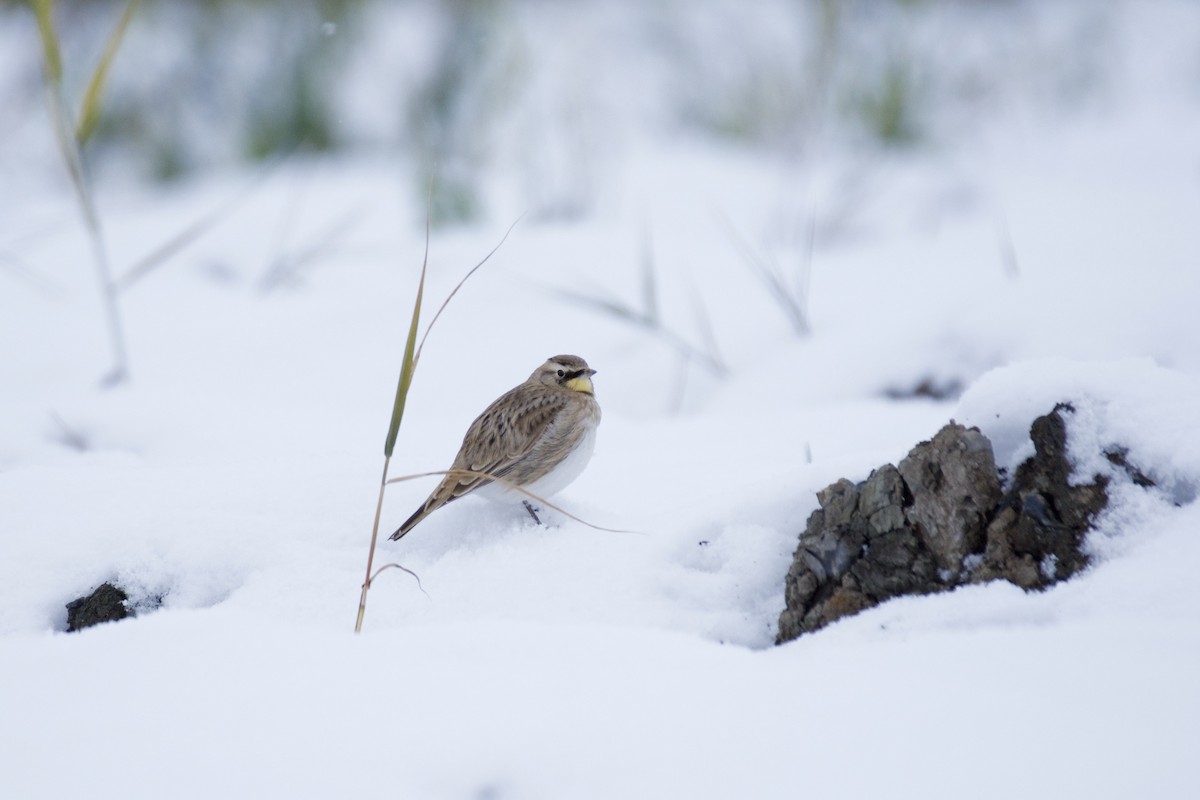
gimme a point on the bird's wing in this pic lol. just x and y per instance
(496, 443)
(503, 435)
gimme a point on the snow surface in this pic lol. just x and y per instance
(235, 478)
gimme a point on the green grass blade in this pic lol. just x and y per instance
(44, 11)
(406, 373)
(410, 362)
(89, 112)
(64, 132)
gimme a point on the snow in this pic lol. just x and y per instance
(235, 476)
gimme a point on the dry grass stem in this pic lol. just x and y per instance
(70, 141)
(17, 267)
(407, 369)
(649, 316)
(402, 568)
(791, 299)
(164, 252)
(470, 473)
(650, 323)
(454, 291)
(287, 266)
(1008, 250)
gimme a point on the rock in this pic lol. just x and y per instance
(926, 388)
(857, 551)
(941, 520)
(106, 604)
(1036, 537)
(955, 488)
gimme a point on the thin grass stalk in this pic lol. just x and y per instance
(89, 112)
(791, 303)
(412, 355)
(402, 387)
(804, 277)
(402, 568)
(454, 291)
(1008, 250)
(649, 278)
(14, 265)
(362, 601)
(288, 266)
(191, 233)
(650, 322)
(470, 473)
(44, 12)
(650, 316)
(83, 193)
(704, 323)
(70, 147)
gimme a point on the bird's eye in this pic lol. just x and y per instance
(561, 373)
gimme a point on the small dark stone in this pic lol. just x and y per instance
(926, 388)
(1118, 457)
(105, 604)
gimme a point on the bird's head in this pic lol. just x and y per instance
(569, 372)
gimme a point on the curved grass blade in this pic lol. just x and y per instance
(161, 254)
(72, 155)
(44, 11)
(450, 296)
(410, 363)
(406, 374)
(89, 111)
(402, 568)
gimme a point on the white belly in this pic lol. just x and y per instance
(552, 482)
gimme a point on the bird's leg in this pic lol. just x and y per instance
(532, 513)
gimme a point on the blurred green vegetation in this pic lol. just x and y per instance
(888, 107)
(442, 83)
(198, 82)
(450, 112)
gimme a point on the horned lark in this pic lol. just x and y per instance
(538, 436)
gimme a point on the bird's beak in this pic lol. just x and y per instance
(582, 381)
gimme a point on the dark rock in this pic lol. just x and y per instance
(955, 488)
(857, 551)
(926, 388)
(1118, 457)
(1036, 537)
(107, 604)
(882, 501)
(941, 520)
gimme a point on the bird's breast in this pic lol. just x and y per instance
(567, 470)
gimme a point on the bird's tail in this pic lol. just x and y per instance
(412, 521)
(447, 492)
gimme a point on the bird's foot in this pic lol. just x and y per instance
(532, 512)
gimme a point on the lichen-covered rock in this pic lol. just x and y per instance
(938, 521)
(857, 551)
(955, 488)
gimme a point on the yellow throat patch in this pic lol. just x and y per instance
(583, 383)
